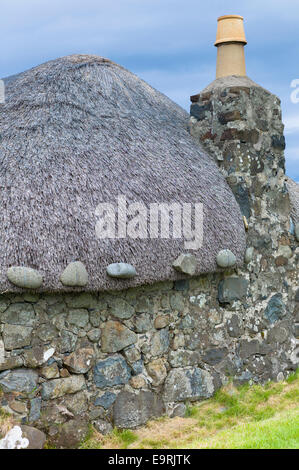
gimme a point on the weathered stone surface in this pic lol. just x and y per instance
(161, 321)
(181, 285)
(50, 372)
(229, 116)
(76, 403)
(183, 357)
(277, 334)
(248, 254)
(132, 354)
(232, 288)
(46, 332)
(37, 356)
(143, 323)
(121, 309)
(16, 336)
(111, 372)
(103, 426)
(285, 251)
(137, 382)
(176, 409)
(187, 384)
(74, 275)
(157, 371)
(249, 348)
(234, 326)
(82, 300)
(160, 342)
(275, 309)
(116, 336)
(80, 361)
(144, 305)
(72, 433)
(20, 313)
(177, 301)
(64, 373)
(67, 341)
(37, 438)
(225, 259)
(297, 232)
(137, 367)
(214, 356)
(105, 400)
(132, 410)
(58, 387)
(35, 409)
(278, 142)
(186, 263)
(11, 363)
(121, 270)
(78, 317)
(18, 406)
(26, 278)
(242, 196)
(199, 111)
(94, 335)
(19, 380)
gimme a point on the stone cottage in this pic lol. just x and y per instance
(103, 317)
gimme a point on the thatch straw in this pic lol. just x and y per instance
(293, 188)
(78, 131)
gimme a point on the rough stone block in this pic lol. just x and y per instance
(231, 289)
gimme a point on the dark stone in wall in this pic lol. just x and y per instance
(275, 309)
(182, 284)
(106, 400)
(214, 356)
(234, 327)
(242, 196)
(199, 111)
(232, 288)
(278, 142)
(112, 371)
(297, 296)
(132, 410)
(224, 118)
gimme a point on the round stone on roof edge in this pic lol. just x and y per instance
(226, 259)
(27, 278)
(121, 270)
(185, 263)
(74, 275)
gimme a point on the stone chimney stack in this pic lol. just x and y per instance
(239, 123)
(230, 42)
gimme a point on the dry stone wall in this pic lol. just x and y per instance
(119, 359)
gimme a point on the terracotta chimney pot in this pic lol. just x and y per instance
(230, 42)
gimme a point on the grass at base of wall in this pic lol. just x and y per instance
(249, 417)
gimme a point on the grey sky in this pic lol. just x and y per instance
(168, 43)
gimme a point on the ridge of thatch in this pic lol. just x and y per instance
(293, 189)
(79, 131)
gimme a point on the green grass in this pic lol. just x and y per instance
(249, 417)
(280, 432)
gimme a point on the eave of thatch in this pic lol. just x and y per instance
(81, 130)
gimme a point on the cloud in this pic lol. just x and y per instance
(291, 124)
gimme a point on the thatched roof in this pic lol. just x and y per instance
(79, 131)
(293, 188)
